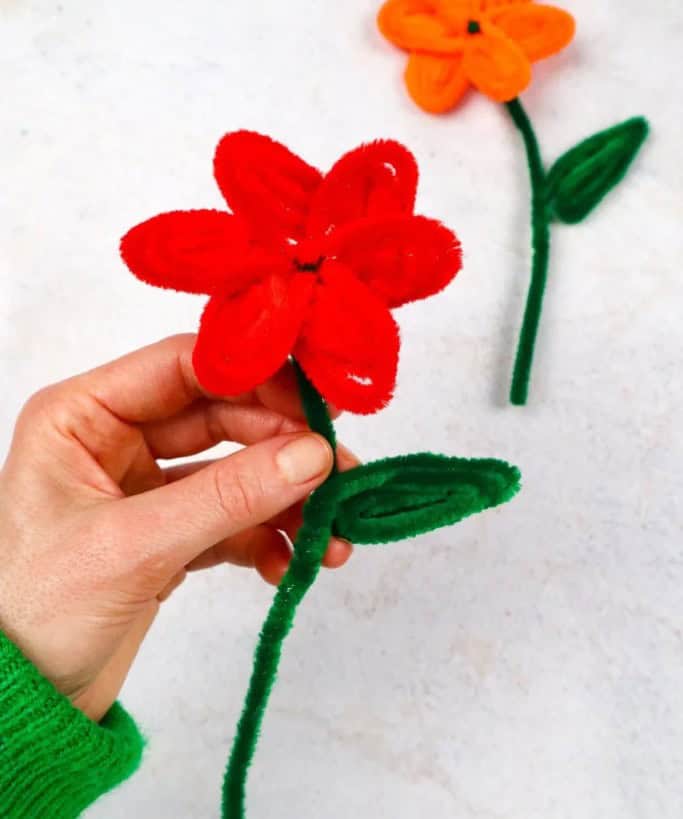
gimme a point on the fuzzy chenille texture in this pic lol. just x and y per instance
(487, 45)
(409, 495)
(307, 264)
(310, 546)
(573, 187)
(54, 761)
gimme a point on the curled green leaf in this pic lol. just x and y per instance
(397, 498)
(583, 176)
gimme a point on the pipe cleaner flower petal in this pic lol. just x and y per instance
(436, 83)
(376, 179)
(496, 40)
(416, 25)
(196, 251)
(349, 344)
(400, 258)
(496, 66)
(540, 31)
(245, 338)
(307, 264)
(266, 184)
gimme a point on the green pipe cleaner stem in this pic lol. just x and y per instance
(540, 243)
(315, 408)
(311, 544)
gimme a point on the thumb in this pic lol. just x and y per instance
(166, 528)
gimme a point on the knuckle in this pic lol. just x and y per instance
(286, 425)
(41, 401)
(213, 419)
(153, 567)
(57, 406)
(36, 416)
(237, 493)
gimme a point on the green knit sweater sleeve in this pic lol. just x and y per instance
(54, 761)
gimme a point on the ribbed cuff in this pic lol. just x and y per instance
(54, 761)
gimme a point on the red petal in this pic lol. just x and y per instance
(244, 339)
(401, 258)
(266, 184)
(349, 344)
(197, 251)
(377, 179)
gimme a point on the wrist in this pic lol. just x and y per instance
(54, 760)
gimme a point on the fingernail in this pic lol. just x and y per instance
(304, 458)
(338, 552)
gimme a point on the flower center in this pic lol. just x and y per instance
(308, 266)
(473, 27)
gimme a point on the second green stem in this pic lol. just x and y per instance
(540, 241)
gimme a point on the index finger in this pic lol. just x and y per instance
(158, 381)
(150, 384)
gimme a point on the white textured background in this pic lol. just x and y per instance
(527, 664)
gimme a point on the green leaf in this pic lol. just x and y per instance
(401, 497)
(580, 179)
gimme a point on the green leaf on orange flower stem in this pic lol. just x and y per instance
(397, 498)
(580, 179)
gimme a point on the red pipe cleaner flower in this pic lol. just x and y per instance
(307, 264)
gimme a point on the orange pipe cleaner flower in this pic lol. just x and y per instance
(489, 44)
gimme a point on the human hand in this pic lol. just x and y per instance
(94, 534)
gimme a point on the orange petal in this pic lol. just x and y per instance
(538, 30)
(496, 66)
(416, 25)
(489, 5)
(458, 13)
(437, 84)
